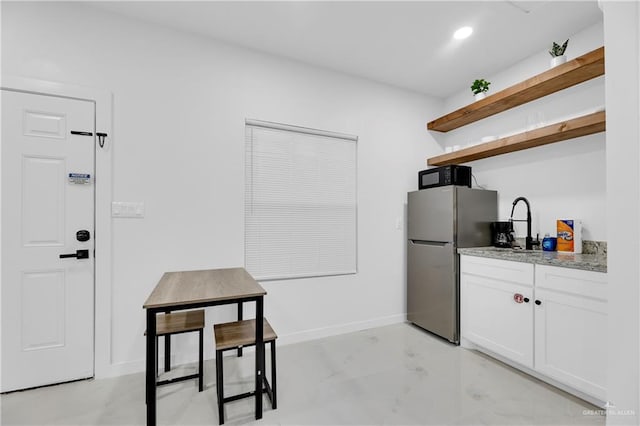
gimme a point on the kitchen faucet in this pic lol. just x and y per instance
(529, 243)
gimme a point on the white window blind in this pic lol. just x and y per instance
(300, 202)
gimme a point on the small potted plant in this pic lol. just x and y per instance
(557, 53)
(479, 88)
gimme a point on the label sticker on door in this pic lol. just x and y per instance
(79, 178)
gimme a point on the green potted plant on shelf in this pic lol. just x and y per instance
(557, 53)
(480, 88)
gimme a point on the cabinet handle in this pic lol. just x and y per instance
(526, 300)
(538, 302)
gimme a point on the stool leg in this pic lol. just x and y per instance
(201, 361)
(239, 319)
(167, 352)
(274, 403)
(219, 385)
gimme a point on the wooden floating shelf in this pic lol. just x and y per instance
(576, 127)
(578, 70)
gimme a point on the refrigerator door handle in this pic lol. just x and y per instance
(431, 243)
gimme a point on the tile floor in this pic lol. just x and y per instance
(395, 375)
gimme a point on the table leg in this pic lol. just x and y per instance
(151, 368)
(167, 349)
(259, 355)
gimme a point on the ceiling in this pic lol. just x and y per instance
(406, 44)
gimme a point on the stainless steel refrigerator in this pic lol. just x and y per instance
(440, 220)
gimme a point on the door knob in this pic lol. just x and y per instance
(79, 254)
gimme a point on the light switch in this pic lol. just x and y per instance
(127, 209)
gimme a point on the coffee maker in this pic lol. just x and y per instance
(502, 234)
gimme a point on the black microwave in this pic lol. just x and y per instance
(445, 175)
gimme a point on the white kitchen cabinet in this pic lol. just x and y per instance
(558, 335)
(571, 327)
(496, 306)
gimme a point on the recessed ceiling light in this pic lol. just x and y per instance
(462, 33)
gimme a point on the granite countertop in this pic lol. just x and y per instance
(587, 262)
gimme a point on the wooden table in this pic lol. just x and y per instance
(196, 289)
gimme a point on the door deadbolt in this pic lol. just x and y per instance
(83, 235)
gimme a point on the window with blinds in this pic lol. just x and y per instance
(300, 202)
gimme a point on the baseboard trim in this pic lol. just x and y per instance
(335, 330)
(138, 366)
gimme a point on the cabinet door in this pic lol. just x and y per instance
(495, 318)
(570, 340)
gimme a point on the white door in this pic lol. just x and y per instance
(47, 197)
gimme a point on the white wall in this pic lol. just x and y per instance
(622, 38)
(180, 102)
(562, 180)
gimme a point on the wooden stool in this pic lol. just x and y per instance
(176, 323)
(235, 335)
